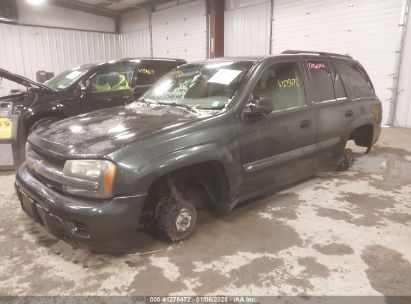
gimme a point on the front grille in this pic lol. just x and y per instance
(58, 162)
(50, 183)
(45, 168)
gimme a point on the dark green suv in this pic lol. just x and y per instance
(208, 134)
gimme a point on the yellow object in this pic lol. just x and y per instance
(122, 84)
(5, 128)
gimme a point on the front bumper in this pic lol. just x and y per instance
(106, 226)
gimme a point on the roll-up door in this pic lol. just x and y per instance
(180, 30)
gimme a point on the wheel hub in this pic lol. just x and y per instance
(183, 220)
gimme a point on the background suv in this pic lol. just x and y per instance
(81, 89)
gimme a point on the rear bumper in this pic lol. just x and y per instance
(106, 226)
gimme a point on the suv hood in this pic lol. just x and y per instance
(101, 132)
(24, 81)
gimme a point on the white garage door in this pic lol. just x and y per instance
(402, 117)
(180, 31)
(247, 27)
(367, 30)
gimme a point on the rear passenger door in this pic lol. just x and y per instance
(278, 148)
(332, 107)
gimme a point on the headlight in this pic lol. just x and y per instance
(90, 178)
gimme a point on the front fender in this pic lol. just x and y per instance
(178, 159)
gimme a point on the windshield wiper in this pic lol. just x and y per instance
(146, 101)
(176, 104)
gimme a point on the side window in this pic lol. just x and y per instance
(283, 83)
(146, 73)
(358, 79)
(150, 72)
(339, 89)
(112, 78)
(322, 78)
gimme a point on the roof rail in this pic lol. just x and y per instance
(316, 53)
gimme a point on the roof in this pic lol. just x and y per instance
(284, 53)
(89, 65)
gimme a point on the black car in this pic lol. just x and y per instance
(81, 89)
(208, 134)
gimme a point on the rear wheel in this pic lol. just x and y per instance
(176, 219)
(42, 123)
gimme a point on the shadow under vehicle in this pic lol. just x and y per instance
(79, 90)
(208, 134)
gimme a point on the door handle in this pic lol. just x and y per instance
(305, 124)
(349, 113)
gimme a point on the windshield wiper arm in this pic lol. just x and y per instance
(176, 104)
(146, 101)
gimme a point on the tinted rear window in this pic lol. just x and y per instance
(359, 81)
(322, 80)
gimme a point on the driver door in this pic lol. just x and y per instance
(278, 148)
(109, 87)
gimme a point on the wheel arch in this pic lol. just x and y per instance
(208, 176)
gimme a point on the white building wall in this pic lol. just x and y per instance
(180, 31)
(135, 37)
(55, 16)
(247, 27)
(402, 114)
(367, 30)
(28, 49)
(136, 44)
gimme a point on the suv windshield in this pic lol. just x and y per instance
(202, 85)
(65, 79)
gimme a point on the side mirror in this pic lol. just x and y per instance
(259, 107)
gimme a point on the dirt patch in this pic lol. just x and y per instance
(373, 211)
(366, 210)
(378, 150)
(152, 281)
(334, 214)
(257, 272)
(388, 272)
(313, 269)
(334, 249)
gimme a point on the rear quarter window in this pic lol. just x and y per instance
(358, 79)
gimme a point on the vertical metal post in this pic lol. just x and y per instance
(150, 26)
(216, 27)
(270, 51)
(394, 95)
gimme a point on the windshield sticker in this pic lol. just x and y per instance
(315, 66)
(224, 76)
(289, 83)
(73, 75)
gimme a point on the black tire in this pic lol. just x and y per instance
(175, 219)
(42, 123)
